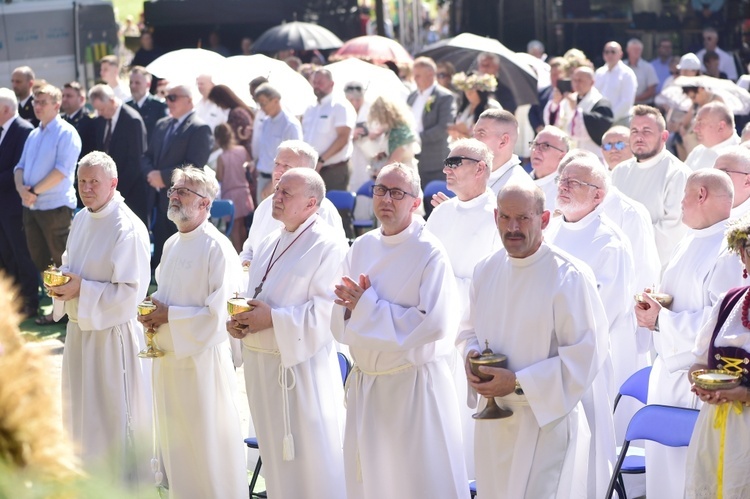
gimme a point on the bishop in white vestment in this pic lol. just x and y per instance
(396, 311)
(539, 306)
(197, 423)
(292, 375)
(106, 394)
(699, 272)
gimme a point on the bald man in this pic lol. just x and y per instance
(714, 127)
(617, 83)
(616, 146)
(547, 150)
(699, 272)
(735, 162)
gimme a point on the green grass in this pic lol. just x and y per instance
(41, 333)
(124, 8)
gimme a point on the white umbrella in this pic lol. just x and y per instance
(296, 93)
(185, 65)
(736, 98)
(376, 80)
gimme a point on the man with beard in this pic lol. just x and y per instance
(327, 126)
(197, 423)
(396, 312)
(700, 271)
(290, 154)
(554, 332)
(655, 178)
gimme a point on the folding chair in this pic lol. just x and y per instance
(345, 366)
(221, 208)
(344, 202)
(671, 426)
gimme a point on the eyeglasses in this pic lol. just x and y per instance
(544, 146)
(182, 192)
(396, 194)
(454, 162)
(173, 97)
(619, 145)
(735, 171)
(571, 183)
(353, 88)
(39, 103)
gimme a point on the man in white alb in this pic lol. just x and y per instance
(197, 425)
(617, 83)
(551, 331)
(106, 395)
(699, 272)
(735, 162)
(298, 414)
(547, 150)
(498, 129)
(714, 127)
(654, 178)
(396, 312)
(290, 154)
(465, 225)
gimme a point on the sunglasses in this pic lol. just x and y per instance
(353, 88)
(454, 162)
(173, 97)
(619, 145)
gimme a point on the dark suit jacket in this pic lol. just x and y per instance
(599, 120)
(536, 111)
(27, 112)
(435, 121)
(126, 147)
(84, 125)
(152, 111)
(10, 154)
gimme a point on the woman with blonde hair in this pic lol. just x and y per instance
(395, 120)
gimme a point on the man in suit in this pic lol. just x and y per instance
(14, 254)
(434, 108)
(149, 107)
(181, 139)
(121, 134)
(22, 79)
(74, 112)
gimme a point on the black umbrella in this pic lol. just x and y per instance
(298, 36)
(516, 79)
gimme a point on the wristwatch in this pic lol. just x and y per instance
(518, 390)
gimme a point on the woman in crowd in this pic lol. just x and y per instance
(240, 115)
(395, 120)
(231, 172)
(717, 455)
(477, 97)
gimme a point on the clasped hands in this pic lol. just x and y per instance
(244, 323)
(503, 382)
(349, 292)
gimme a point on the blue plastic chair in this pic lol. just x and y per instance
(473, 488)
(635, 386)
(435, 186)
(360, 222)
(344, 202)
(670, 426)
(345, 366)
(221, 208)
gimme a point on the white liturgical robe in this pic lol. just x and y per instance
(511, 171)
(403, 433)
(106, 394)
(468, 232)
(658, 184)
(264, 224)
(299, 290)
(705, 157)
(597, 241)
(552, 331)
(549, 187)
(740, 210)
(699, 272)
(197, 423)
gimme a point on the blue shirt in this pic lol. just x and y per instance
(662, 72)
(56, 146)
(273, 131)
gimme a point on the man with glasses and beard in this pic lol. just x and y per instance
(655, 178)
(194, 383)
(177, 140)
(396, 312)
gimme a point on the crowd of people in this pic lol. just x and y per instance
(622, 190)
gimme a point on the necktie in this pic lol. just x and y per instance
(108, 136)
(168, 136)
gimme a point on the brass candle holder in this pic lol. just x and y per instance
(150, 352)
(490, 359)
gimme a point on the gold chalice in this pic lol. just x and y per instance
(237, 305)
(150, 352)
(662, 299)
(53, 277)
(489, 359)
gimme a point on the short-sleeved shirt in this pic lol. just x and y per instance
(55, 146)
(646, 76)
(271, 132)
(320, 122)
